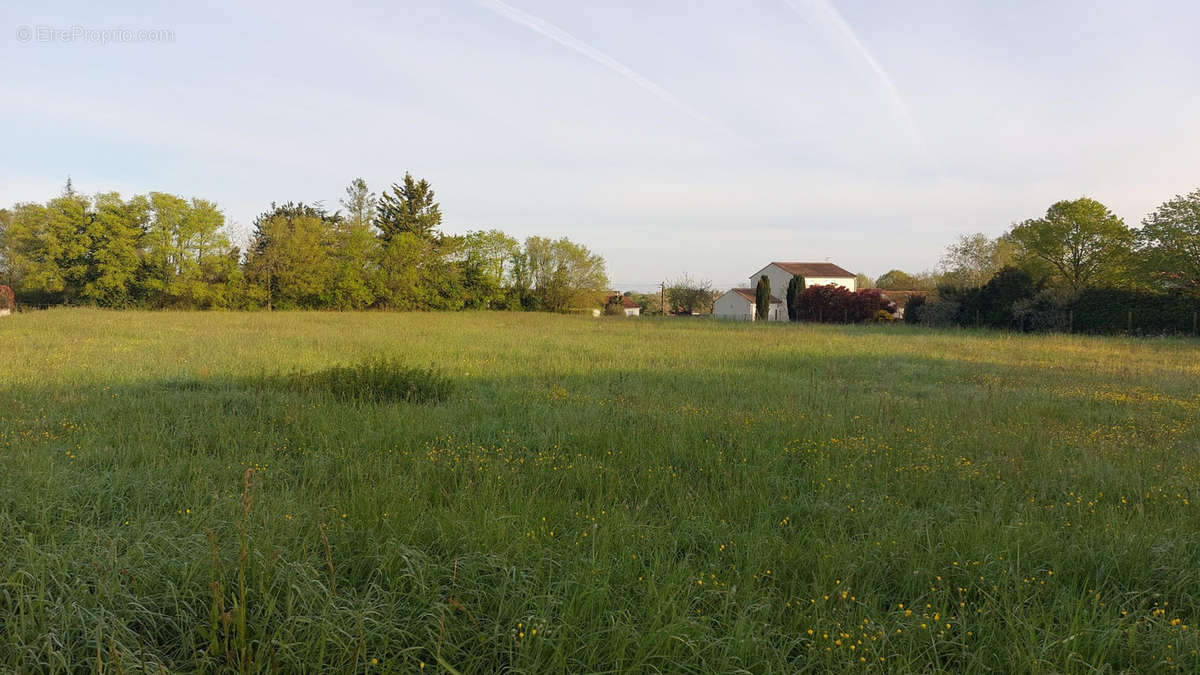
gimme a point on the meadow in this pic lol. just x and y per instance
(593, 495)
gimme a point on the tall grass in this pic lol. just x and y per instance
(378, 381)
(591, 495)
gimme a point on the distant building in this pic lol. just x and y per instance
(630, 307)
(733, 304)
(742, 304)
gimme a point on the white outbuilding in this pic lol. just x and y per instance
(740, 303)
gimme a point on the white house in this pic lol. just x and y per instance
(814, 273)
(740, 303)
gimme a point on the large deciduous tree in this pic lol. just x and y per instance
(485, 260)
(1168, 245)
(291, 257)
(558, 274)
(48, 246)
(187, 252)
(1077, 244)
(115, 232)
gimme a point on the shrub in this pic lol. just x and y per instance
(865, 305)
(1047, 311)
(940, 313)
(912, 311)
(992, 304)
(835, 304)
(824, 304)
(8, 300)
(376, 382)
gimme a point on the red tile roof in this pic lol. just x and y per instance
(625, 302)
(814, 269)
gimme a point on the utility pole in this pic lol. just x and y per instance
(662, 296)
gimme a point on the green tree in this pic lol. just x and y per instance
(690, 294)
(185, 246)
(973, 259)
(1168, 245)
(292, 256)
(417, 274)
(896, 280)
(115, 234)
(560, 274)
(6, 273)
(485, 258)
(862, 281)
(68, 220)
(357, 252)
(165, 257)
(361, 205)
(31, 264)
(409, 207)
(762, 297)
(48, 248)
(1077, 244)
(795, 286)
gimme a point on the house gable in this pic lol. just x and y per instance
(815, 274)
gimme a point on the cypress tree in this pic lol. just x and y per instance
(795, 285)
(762, 297)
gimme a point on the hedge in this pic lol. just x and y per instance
(1098, 310)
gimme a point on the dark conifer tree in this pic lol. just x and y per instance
(409, 208)
(795, 285)
(762, 296)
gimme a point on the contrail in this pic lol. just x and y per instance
(830, 21)
(562, 37)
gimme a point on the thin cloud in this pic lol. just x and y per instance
(562, 37)
(831, 22)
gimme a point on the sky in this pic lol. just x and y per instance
(670, 136)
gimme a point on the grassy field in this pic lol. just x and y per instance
(595, 495)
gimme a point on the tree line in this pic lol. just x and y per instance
(1078, 267)
(376, 251)
(1077, 244)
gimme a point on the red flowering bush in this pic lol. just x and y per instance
(7, 299)
(835, 304)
